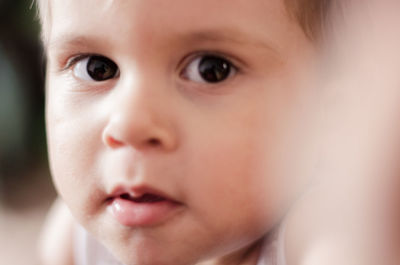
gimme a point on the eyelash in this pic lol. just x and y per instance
(72, 61)
(186, 62)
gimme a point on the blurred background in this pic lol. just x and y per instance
(26, 191)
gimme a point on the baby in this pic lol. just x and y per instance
(179, 132)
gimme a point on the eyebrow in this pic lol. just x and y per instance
(229, 36)
(68, 41)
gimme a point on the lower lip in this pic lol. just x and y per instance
(134, 214)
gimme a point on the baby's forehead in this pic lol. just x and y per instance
(259, 23)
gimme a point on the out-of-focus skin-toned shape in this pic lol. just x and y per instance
(351, 216)
(161, 166)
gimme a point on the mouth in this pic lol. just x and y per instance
(145, 198)
(141, 207)
(139, 194)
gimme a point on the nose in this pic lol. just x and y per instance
(140, 119)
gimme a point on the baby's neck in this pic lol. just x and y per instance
(248, 255)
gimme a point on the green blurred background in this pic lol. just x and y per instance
(25, 187)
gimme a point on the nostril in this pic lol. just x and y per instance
(115, 142)
(112, 142)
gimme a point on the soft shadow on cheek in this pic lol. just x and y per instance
(74, 147)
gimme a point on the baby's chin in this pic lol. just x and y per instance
(142, 249)
(141, 246)
(152, 253)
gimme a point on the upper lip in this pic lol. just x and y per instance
(137, 191)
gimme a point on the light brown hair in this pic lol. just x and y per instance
(310, 14)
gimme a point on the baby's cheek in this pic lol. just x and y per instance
(234, 181)
(74, 146)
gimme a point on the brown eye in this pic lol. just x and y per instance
(96, 68)
(101, 68)
(209, 69)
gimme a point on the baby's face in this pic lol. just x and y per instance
(178, 130)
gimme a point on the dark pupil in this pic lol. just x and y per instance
(100, 68)
(214, 69)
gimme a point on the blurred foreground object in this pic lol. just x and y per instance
(352, 215)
